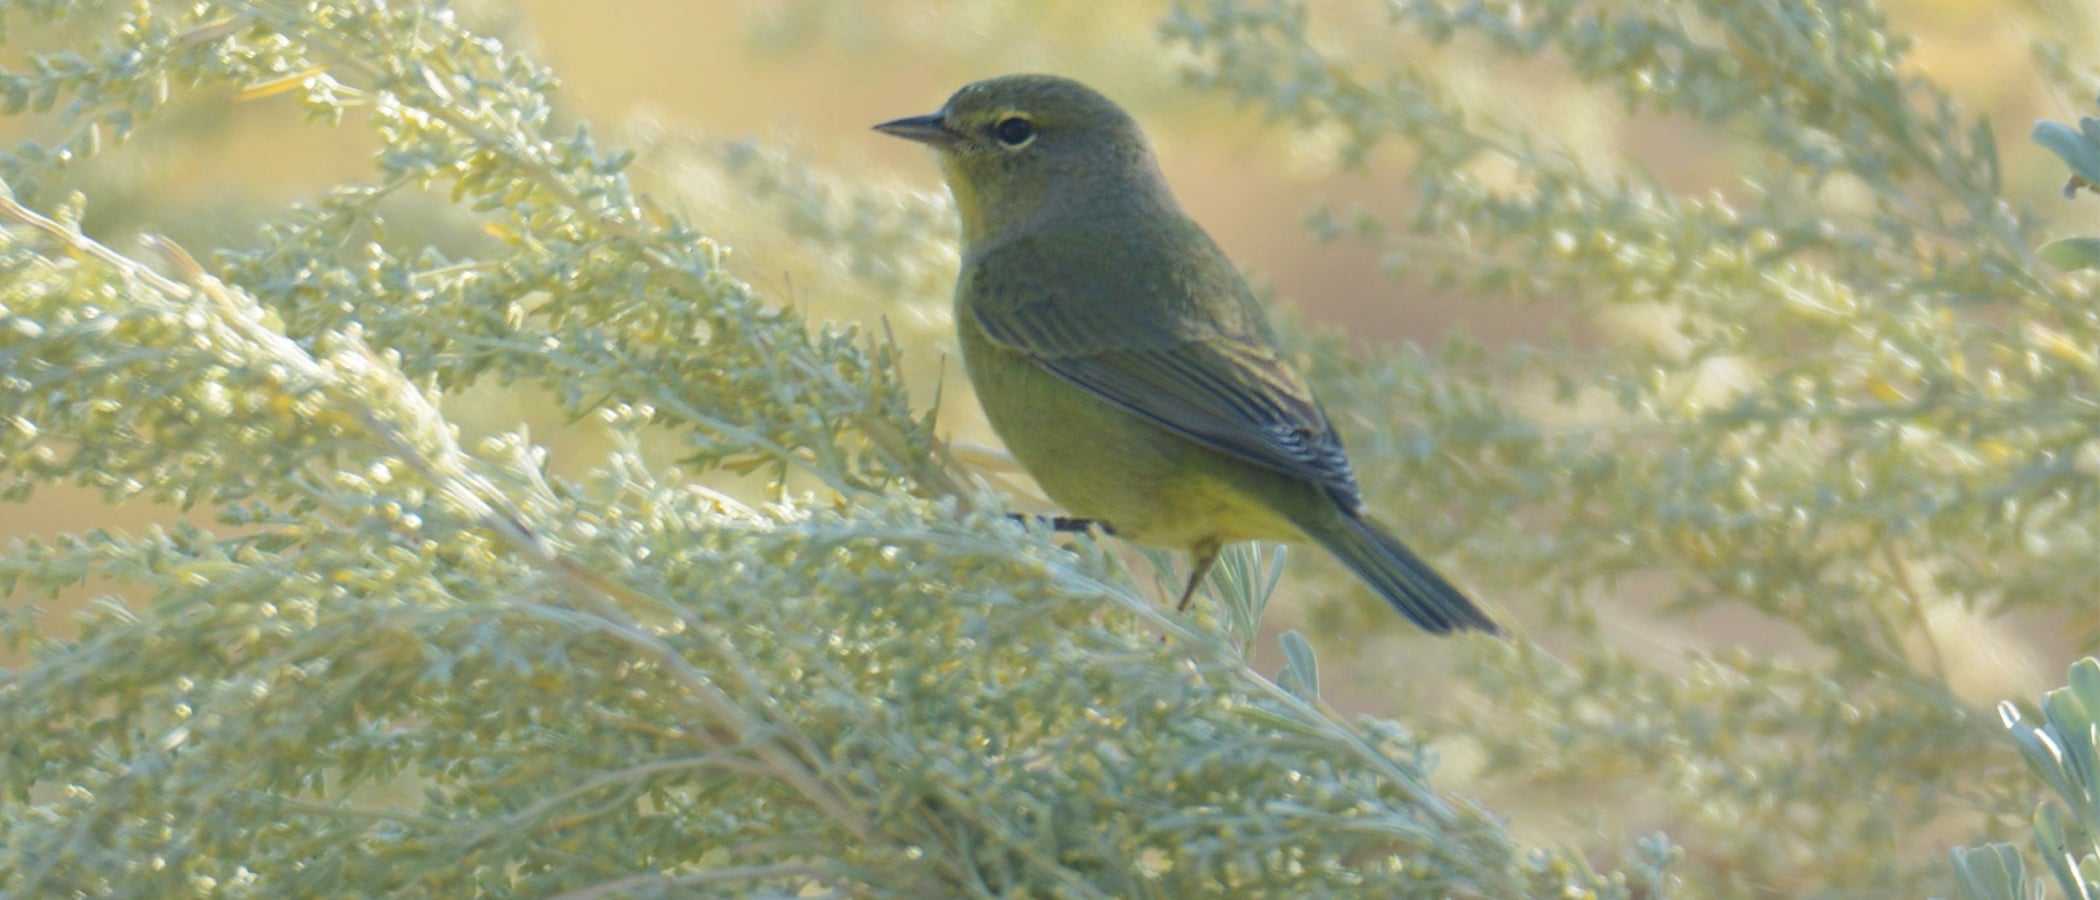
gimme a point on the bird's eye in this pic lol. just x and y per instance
(1013, 131)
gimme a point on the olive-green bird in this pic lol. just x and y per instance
(1123, 359)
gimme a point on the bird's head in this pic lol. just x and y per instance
(1017, 147)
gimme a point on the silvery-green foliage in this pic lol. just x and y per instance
(401, 663)
(1855, 405)
(2064, 751)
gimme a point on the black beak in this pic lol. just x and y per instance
(930, 129)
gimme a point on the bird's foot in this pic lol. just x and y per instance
(1201, 558)
(1066, 523)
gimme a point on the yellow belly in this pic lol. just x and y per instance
(1101, 462)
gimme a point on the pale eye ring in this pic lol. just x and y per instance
(1014, 131)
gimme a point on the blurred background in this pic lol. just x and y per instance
(790, 88)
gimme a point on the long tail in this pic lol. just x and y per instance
(1407, 582)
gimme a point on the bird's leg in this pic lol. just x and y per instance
(1066, 523)
(1202, 557)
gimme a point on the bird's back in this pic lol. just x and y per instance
(1151, 280)
(1145, 312)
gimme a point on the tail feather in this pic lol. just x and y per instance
(1396, 573)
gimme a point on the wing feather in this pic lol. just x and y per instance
(1182, 344)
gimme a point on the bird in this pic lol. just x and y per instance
(1124, 360)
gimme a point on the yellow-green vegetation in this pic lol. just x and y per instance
(1819, 441)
